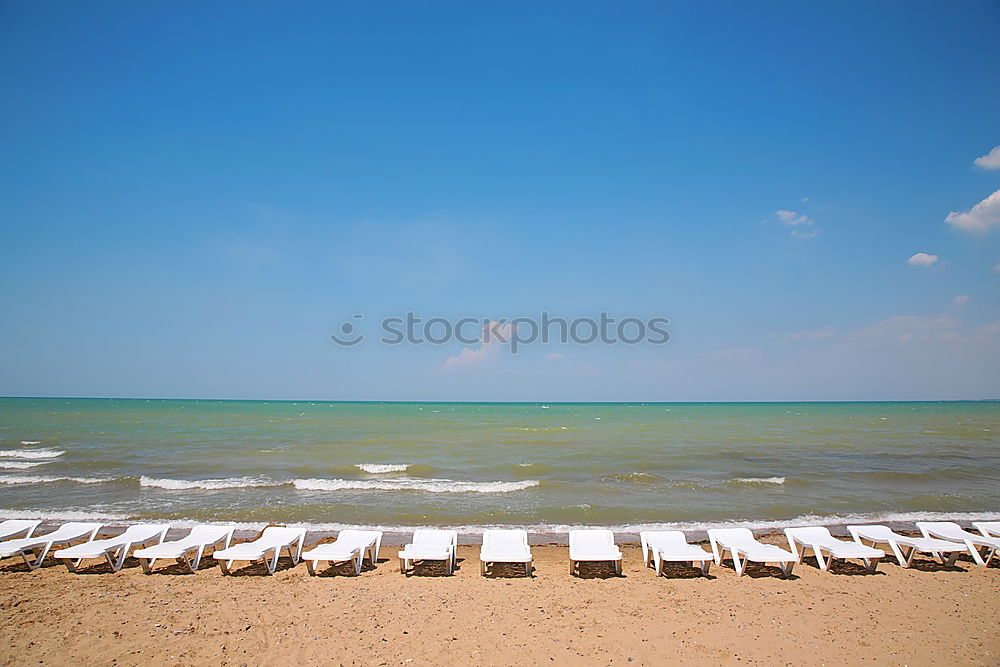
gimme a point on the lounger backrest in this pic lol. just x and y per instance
(71, 529)
(351, 536)
(881, 533)
(944, 527)
(505, 538)
(280, 534)
(732, 534)
(142, 532)
(816, 534)
(591, 539)
(16, 524)
(435, 538)
(207, 533)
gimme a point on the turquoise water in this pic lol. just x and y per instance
(542, 466)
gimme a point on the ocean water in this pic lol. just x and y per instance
(471, 465)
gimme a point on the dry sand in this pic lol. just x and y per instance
(929, 614)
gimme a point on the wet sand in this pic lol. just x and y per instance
(925, 615)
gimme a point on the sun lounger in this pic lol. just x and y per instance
(899, 543)
(267, 548)
(593, 546)
(351, 545)
(660, 546)
(113, 549)
(505, 546)
(39, 545)
(987, 528)
(430, 544)
(14, 527)
(743, 547)
(982, 548)
(199, 539)
(822, 542)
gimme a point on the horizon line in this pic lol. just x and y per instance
(500, 402)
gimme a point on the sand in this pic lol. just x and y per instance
(929, 614)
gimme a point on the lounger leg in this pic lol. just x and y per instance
(704, 567)
(482, 567)
(823, 564)
(527, 568)
(786, 569)
(226, 566)
(737, 564)
(571, 567)
(976, 557)
(795, 551)
(898, 553)
(911, 555)
(311, 567)
(357, 563)
(272, 563)
(39, 559)
(147, 565)
(951, 559)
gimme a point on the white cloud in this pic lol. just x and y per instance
(805, 235)
(980, 217)
(989, 161)
(555, 356)
(961, 299)
(922, 259)
(808, 334)
(492, 342)
(793, 218)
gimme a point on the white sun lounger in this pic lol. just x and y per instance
(14, 527)
(267, 548)
(982, 548)
(351, 545)
(819, 539)
(660, 546)
(987, 528)
(505, 546)
(743, 547)
(113, 549)
(430, 544)
(898, 543)
(199, 539)
(593, 546)
(39, 545)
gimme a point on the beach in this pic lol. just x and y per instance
(918, 616)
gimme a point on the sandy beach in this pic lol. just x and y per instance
(920, 616)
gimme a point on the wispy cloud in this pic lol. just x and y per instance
(905, 328)
(989, 161)
(961, 299)
(802, 225)
(808, 335)
(793, 218)
(555, 356)
(922, 259)
(980, 218)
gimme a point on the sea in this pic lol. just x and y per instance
(546, 467)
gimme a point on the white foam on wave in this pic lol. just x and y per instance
(21, 465)
(31, 453)
(32, 479)
(31, 442)
(378, 468)
(760, 480)
(207, 484)
(411, 484)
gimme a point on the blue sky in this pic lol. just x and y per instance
(194, 196)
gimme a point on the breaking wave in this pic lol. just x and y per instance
(378, 468)
(411, 484)
(208, 484)
(31, 453)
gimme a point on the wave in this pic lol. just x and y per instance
(31, 442)
(31, 479)
(636, 477)
(759, 480)
(20, 465)
(31, 453)
(377, 468)
(208, 484)
(411, 484)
